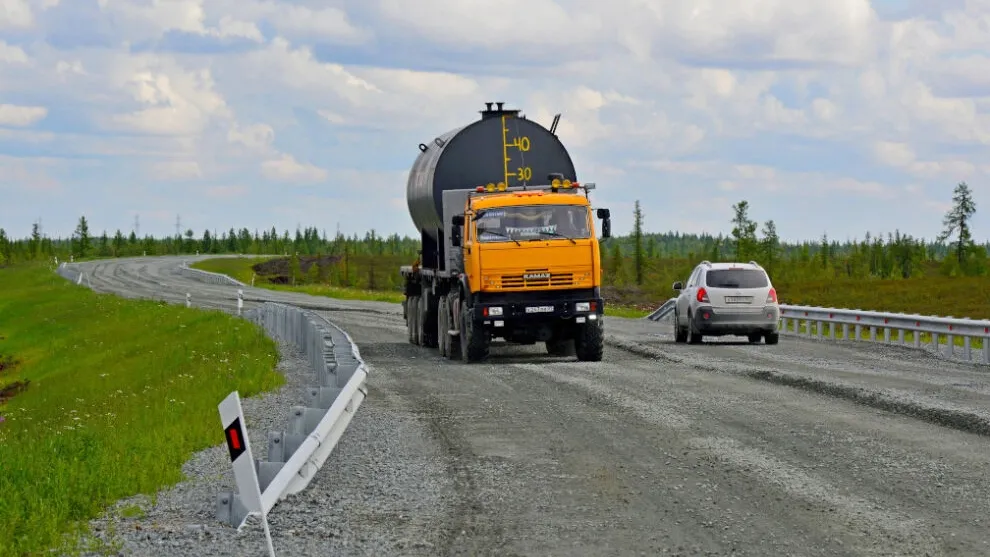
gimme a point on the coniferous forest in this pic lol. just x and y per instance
(893, 272)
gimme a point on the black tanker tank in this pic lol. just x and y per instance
(501, 147)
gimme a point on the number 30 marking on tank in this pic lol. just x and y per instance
(524, 173)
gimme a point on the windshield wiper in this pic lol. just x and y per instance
(559, 235)
(502, 234)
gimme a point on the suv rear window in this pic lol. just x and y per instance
(736, 278)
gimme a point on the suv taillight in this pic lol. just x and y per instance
(772, 296)
(702, 295)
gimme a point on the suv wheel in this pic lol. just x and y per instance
(693, 337)
(755, 338)
(772, 338)
(680, 335)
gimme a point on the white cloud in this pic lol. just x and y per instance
(15, 14)
(10, 54)
(20, 116)
(287, 169)
(814, 109)
(177, 170)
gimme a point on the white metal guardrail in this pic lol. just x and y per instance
(298, 452)
(965, 339)
(926, 331)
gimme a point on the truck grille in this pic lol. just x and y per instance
(537, 277)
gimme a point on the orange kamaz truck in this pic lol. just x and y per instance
(509, 249)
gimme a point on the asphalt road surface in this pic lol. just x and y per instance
(719, 449)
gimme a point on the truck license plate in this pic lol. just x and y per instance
(738, 299)
(539, 309)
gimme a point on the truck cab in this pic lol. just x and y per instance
(530, 267)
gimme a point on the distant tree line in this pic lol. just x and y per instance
(308, 241)
(898, 256)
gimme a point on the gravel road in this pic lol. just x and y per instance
(658, 449)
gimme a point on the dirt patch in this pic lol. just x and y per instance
(9, 391)
(278, 270)
(7, 363)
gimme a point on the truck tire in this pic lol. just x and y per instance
(443, 325)
(427, 321)
(589, 345)
(474, 344)
(561, 347)
(413, 304)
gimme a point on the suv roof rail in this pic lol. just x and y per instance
(706, 262)
(755, 264)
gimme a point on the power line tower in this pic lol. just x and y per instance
(178, 226)
(137, 226)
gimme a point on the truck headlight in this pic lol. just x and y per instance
(496, 311)
(582, 306)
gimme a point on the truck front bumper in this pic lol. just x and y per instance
(534, 312)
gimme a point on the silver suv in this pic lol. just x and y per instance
(727, 299)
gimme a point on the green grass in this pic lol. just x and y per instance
(240, 269)
(121, 394)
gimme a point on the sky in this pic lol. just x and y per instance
(838, 118)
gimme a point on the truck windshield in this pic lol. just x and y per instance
(532, 222)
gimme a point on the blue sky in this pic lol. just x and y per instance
(828, 117)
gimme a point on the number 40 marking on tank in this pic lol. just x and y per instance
(522, 173)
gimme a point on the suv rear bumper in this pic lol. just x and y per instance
(718, 321)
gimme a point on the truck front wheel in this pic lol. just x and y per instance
(589, 344)
(474, 343)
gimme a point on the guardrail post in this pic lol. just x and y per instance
(873, 333)
(986, 349)
(950, 341)
(967, 348)
(859, 332)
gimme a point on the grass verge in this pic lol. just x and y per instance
(120, 393)
(240, 268)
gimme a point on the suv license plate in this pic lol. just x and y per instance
(539, 309)
(738, 299)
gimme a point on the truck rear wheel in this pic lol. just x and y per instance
(474, 343)
(412, 303)
(426, 319)
(443, 325)
(589, 345)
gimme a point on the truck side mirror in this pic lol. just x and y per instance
(457, 220)
(606, 217)
(678, 286)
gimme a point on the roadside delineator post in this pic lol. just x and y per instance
(240, 300)
(188, 300)
(245, 473)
